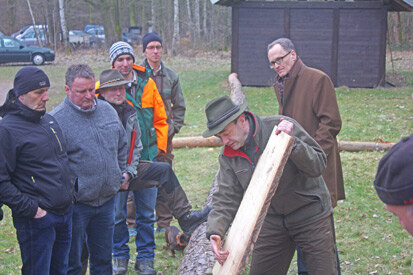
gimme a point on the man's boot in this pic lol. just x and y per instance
(192, 219)
(145, 268)
(120, 266)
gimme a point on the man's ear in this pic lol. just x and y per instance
(67, 89)
(293, 55)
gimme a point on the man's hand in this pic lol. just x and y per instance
(125, 183)
(40, 213)
(220, 255)
(285, 126)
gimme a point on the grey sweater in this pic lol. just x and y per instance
(96, 146)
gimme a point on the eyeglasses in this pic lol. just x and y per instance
(151, 48)
(279, 60)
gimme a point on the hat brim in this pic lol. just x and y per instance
(114, 84)
(215, 130)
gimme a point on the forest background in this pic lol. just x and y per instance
(186, 26)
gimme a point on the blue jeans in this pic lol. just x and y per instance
(45, 243)
(95, 226)
(145, 200)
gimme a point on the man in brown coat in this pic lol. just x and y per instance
(308, 96)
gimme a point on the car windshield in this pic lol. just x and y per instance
(10, 43)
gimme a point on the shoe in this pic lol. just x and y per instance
(160, 230)
(120, 266)
(132, 232)
(191, 220)
(145, 268)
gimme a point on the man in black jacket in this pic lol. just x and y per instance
(35, 178)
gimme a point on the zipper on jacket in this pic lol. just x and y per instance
(33, 180)
(58, 140)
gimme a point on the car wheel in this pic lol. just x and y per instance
(38, 59)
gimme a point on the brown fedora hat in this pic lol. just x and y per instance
(110, 78)
(220, 112)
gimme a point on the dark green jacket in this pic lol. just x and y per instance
(167, 82)
(302, 196)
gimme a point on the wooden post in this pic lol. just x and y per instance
(254, 205)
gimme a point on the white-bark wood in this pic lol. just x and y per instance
(254, 205)
(349, 146)
(237, 94)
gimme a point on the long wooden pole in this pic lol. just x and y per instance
(350, 146)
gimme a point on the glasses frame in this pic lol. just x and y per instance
(152, 48)
(279, 60)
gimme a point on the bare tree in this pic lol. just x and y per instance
(190, 23)
(175, 37)
(63, 23)
(197, 32)
(36, 31)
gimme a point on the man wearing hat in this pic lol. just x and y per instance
(97, 149)
(394, 182)
(142, 93)
(167, 82)
(142, 174)
(300, 213)
(35, 178)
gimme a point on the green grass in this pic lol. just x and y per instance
(369, 238)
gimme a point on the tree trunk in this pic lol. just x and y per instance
(175, 37)
(190, 23)
(199, 258)
(197, 31)
(11, 14)
(204, 22)
(63, 23)
(36, 31)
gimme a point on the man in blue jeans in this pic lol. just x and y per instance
(97, 148)
(143, 174)
(35, 178)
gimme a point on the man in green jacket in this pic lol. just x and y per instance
(169, 87)
(300, 213)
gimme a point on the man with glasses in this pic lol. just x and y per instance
(167, 82)
(308, 96)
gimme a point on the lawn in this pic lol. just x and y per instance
(370, 240)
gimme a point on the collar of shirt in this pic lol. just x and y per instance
(157, 71)
(134, 80)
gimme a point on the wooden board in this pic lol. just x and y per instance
(254, 205)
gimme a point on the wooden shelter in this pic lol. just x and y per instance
(346, 40)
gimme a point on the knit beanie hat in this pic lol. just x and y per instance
(394, 178)
(150, 37)
(29, 79)
(120, 48)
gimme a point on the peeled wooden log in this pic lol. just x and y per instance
(257, 198)
(237, 95)
(349, 146)
(356, 146)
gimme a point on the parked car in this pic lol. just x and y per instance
(79, 39)
(12, 50)
(28, 36)
(96, 34)
(132, 35)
